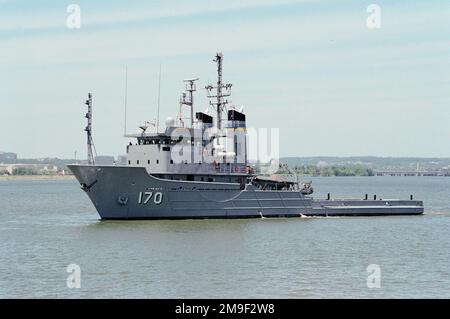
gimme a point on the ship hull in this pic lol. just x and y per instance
(126, 192)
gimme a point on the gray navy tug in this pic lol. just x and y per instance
(209, 181)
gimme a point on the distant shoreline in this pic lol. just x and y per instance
(36, 177)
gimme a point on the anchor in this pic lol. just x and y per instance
(87, 188)
(122, 200)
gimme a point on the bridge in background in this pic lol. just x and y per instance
(412, 173)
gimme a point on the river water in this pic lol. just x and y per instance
(47, 225)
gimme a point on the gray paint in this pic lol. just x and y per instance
(185, 199)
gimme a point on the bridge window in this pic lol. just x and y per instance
(137, 162)
(129, 162)
(171, 161)
(148, 162)
(157, 161)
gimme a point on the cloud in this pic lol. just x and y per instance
(316, 63)
(54, 16)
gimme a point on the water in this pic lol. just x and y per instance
(47, 225)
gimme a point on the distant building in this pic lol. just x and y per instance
(322, 164)
(28, 169)
(8, 157)
(5, 169)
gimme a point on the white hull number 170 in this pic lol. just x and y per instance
(144, 197)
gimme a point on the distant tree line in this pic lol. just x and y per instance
(24, 171)
(313, 170)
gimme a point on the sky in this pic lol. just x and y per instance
(314, 69)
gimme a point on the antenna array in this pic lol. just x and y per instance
(188, 98)
(219, 94)
(88, 129)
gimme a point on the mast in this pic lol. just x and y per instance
(88, 129)
(219, 94)
(159, 99)
(218, 60)
(189, 100)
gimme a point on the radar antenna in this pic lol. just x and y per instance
(219, 94)
(145, 126)
(88, 129)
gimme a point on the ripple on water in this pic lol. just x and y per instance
(320, 257)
